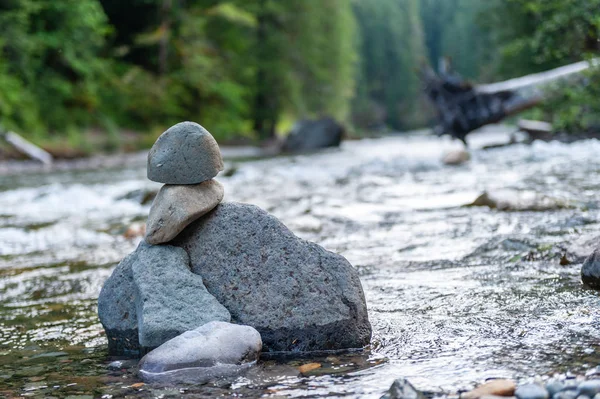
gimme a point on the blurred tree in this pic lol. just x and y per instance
(391, 49)
(51, 68)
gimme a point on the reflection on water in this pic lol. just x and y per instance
(455, 294)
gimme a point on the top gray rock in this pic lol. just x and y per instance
(185, 154)
(298, 296)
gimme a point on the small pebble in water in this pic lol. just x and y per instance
(565, 394)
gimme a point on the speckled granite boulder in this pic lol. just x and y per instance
(185, 154)
(214, 349)
(176, 206)
(154, 293)
(299, 296)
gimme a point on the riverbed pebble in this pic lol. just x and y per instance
(403, 389)
(184, 154)
(554, 386)
(495, 387)
(213, 349)
(589, 388)
(176, 206)
(531, 391)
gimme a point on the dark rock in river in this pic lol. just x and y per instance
(151, 297)
(299, 296)
(309, 135)
(590, 271)
(214, 349)
(185, 154)
(402, 389)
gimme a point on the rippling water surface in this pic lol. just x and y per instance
(455, 294)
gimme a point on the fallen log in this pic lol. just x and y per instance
(463, 107)
(26, 148)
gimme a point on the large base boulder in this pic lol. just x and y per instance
(309, 135)
(299, 296)
(151, 297)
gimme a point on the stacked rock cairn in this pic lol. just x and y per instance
(216, 283)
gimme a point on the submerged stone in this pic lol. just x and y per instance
(214, 349)
(176, 206)
(299, 296)
(185, 154)
(498, 387)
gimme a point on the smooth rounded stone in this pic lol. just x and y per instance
(554, 386)
(403, 389)
(494, 388)
(216, 349)
(531, 391)
(457, 157)
(590, 271)
(163, 295)
(589, 388)
(176, 206)
(185, 154)
(299, 296)
(565, 394)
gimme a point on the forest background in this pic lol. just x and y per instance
(101, 75)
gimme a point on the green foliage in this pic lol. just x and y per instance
(391, 49)
(51, 69)
(548, 33)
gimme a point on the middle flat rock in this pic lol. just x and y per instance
(176, 206)
(299, 296)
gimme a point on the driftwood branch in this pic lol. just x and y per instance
(463, 107)
(26, 148)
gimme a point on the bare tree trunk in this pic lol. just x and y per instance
(165, 27)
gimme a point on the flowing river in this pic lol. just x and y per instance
(455, 294)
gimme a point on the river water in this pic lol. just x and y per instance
(455, 294)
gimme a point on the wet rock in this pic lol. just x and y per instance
(310, 135)
(458, 157)
(509, 200)
(565, 394)
(164, 300)
(121, 364)
(590, 271)
(531, 391)
(117, 310)
(176, 206)
(554, 386)
(185, 154)
(589, 388)
(299, 296)
(402, 389)
(214, 349)
(494, 387)
(582, 247)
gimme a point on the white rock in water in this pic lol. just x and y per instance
(457, 157)
(216, 349)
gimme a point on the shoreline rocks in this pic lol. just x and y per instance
(590, 271)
